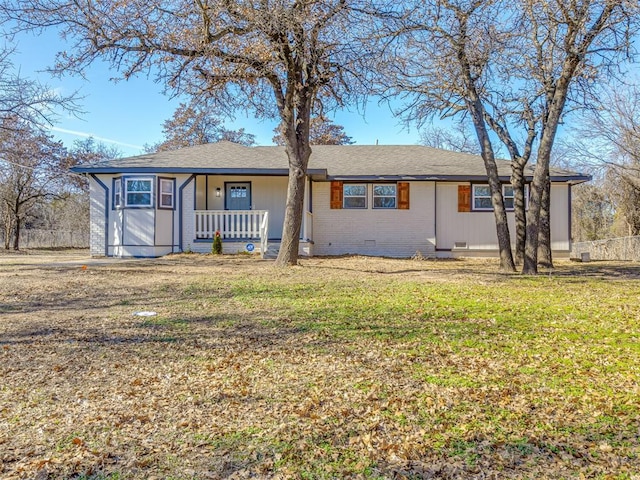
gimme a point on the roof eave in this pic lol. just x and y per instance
(208, 171)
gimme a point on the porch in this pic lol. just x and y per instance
(244, 231)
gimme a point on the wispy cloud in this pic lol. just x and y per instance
(96, 137)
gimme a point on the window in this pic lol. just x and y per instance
(384, 196)
(354, 196)
(138, 192)
(238, 191)
(166, 188)
(509, 200)
(482, 197)
(117, 192)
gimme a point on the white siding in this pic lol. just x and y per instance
(187, 208)
(164, 228)
(97, 209)
(478, 229)
(267, 193)
(560, 209)
(393, 232)
(139, 227)
(145, 232)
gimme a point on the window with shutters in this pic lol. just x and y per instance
(482, 197)
(384, 196)
(354, 195)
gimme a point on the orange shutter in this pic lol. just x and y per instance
(336, 194)
(464, 198)
(403, 196)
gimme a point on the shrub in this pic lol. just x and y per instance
(216, 247)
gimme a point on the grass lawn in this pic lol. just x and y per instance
(340, 368)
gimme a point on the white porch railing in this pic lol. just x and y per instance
(307, 226)
(232, 224)
(264, 234)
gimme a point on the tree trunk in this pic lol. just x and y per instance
(519, 209)
(544, 232)
(476, 110)
(290, 243)
(497, 201)
(16, 234)
(295, 126)
(7, 230)
(541, 173)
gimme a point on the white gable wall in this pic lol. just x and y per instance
(478, 230)
(382, 232)
(97, 210)
(142, 232)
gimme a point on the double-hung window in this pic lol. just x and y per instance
(138, 192)
(482, 197)
(354, 195)
(166, 196)
(509, 197)
(384, 196)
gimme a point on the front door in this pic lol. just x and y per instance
(238, 196)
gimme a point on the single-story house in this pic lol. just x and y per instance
(369, 200)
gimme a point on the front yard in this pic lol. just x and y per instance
(340, 368)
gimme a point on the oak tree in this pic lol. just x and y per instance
(321, 132)
(32, 170)
(440, 63)
(278, 58)
(196, 124)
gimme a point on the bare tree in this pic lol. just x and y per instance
(571, 45)
(195, 124)
(26, 99)
(441, 65)
(83, 152)
(32, 170)
(592, 213)
(510, 66)
(281, 59)
(321, 132)
(458, 138)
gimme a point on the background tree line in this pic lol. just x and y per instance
(516, 71)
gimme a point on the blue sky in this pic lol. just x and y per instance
(129, 114)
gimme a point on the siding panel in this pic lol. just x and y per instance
(394, 232)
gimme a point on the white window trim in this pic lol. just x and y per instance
(126, 192)
(395, 196)
(474, 196)
(345, 196)
(117, 192)
(526, 197)
(490, 209)
(161, 193)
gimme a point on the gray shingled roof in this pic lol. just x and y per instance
(340, 162)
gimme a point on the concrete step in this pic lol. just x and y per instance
(272, 251)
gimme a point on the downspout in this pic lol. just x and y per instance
(570, 217)
(106, 213)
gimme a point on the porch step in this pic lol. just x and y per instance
(272, 251)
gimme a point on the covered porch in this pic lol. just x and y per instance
(245, 230)
(248, 211)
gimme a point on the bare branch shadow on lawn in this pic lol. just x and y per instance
(602, 270)
(215, 331)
